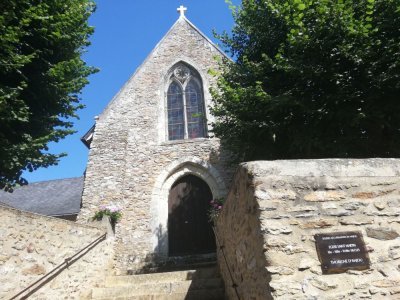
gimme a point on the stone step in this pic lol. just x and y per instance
(177, 265)
(161, 288)
(209, 294)
(125, 280)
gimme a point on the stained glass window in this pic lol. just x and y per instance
(176, 122)
(194, 110)
(185, 105)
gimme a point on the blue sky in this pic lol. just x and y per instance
(125, 33)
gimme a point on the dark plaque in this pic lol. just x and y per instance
(341, 251)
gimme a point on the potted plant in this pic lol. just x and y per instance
(215, 209)
(114, 212)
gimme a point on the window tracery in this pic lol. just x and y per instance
(185, 105)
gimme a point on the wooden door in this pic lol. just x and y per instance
(189, 230)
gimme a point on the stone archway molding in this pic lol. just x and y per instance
(159, 203)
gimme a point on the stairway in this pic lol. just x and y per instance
(199, 284)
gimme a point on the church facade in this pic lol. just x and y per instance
(151, 153)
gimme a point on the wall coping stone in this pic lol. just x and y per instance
(371, 167)
(53, 219)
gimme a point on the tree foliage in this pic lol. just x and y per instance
(41, 76)
(312, 79)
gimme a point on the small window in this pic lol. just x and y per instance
(186, 113)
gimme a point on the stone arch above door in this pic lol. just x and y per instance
(159, 206)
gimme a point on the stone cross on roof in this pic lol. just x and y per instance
(182, 10)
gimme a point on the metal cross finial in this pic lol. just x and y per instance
(182, 10)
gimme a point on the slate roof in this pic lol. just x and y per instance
(88, 137)
(60, 197)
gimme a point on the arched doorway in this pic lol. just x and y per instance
(189, 230)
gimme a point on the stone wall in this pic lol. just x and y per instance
(32, 245)
(132, 164)
(275, 208)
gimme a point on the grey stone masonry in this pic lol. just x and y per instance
(274, 210)
(33, 245)
(132, 163)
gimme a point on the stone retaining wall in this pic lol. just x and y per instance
(32, 245)
(275, 208)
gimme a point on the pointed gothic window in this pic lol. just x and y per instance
(194, 110)
(185, 105)
(176, 126)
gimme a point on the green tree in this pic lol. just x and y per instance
(312, 79)
(41, 76)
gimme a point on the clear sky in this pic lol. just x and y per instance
(125, 33)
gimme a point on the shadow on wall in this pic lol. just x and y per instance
(202, 275)
(242, 257)
(156, 262)
(162, 239)
(189, 233)
(222, 154)
(226, 164)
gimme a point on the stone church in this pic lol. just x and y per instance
(153, 154)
